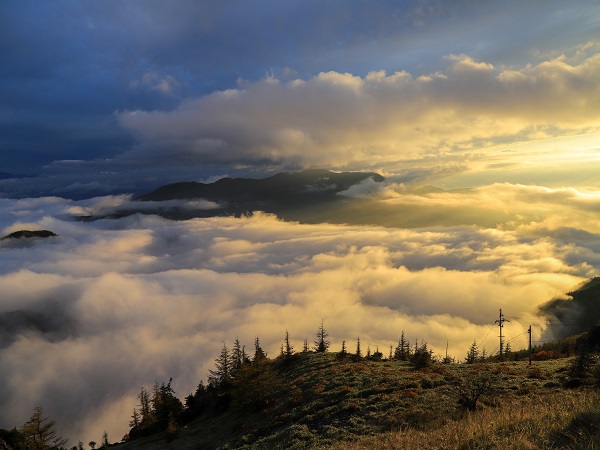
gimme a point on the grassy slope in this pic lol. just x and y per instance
(327, 403)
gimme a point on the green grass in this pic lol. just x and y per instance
(325, 403)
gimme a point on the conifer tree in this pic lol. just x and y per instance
(289, 349)
(305, 347)
(145, 408)
(402, 351)
(472, 354)
(245, 358)
(165, 404)
(407, 352)
(422, 356)
(105, 442)
(222, 373)
(343, 352)
(358, 353)
(39, 432)
(237, 357)
(259, 354)
(377, 356)
(135, 419)
(321, 342)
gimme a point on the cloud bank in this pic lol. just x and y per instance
(342, 120)
(111, 305)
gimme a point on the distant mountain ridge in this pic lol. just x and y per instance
(28, 234)
(280, 187)
(282, 194)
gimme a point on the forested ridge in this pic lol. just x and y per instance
(315, 396)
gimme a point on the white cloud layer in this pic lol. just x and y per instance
(139, 299)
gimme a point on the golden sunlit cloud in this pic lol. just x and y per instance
(343, 120)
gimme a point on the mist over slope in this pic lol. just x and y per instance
(576, 313)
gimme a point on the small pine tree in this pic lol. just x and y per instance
(377, 356)
(368, 352)
(472, 354)
(105, 442)
(407, 351)
(135, 419)
(165, 403)
(305, 346)
(245, 358)
(580, 372)
(237, 357)
(40, 432)
(146, 417)
(343, 352)
(401, 352)
(321, 343)
(289, 348)
(358, 353)
(259, 353)
(222, 373)
(422, 357)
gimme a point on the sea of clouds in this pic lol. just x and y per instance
(111, 305)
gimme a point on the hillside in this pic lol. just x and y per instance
(323, 400)
(316, 400)
(578, 313)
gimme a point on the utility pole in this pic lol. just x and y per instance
(500, 323)
(529, 331)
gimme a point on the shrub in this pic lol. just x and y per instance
(544, 355)
(472, 386)
(579, 372)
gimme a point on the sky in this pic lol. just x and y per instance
(110, 97)
(483, 116)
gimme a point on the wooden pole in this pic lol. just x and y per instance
(500, 323)
(529, 331)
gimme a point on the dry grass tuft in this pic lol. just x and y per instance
(567, 420)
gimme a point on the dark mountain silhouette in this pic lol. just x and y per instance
(305, 186)
(27, 234)
(576, 314)
(286, 194)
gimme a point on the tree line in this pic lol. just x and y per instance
(250, 380)
(244, 379)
